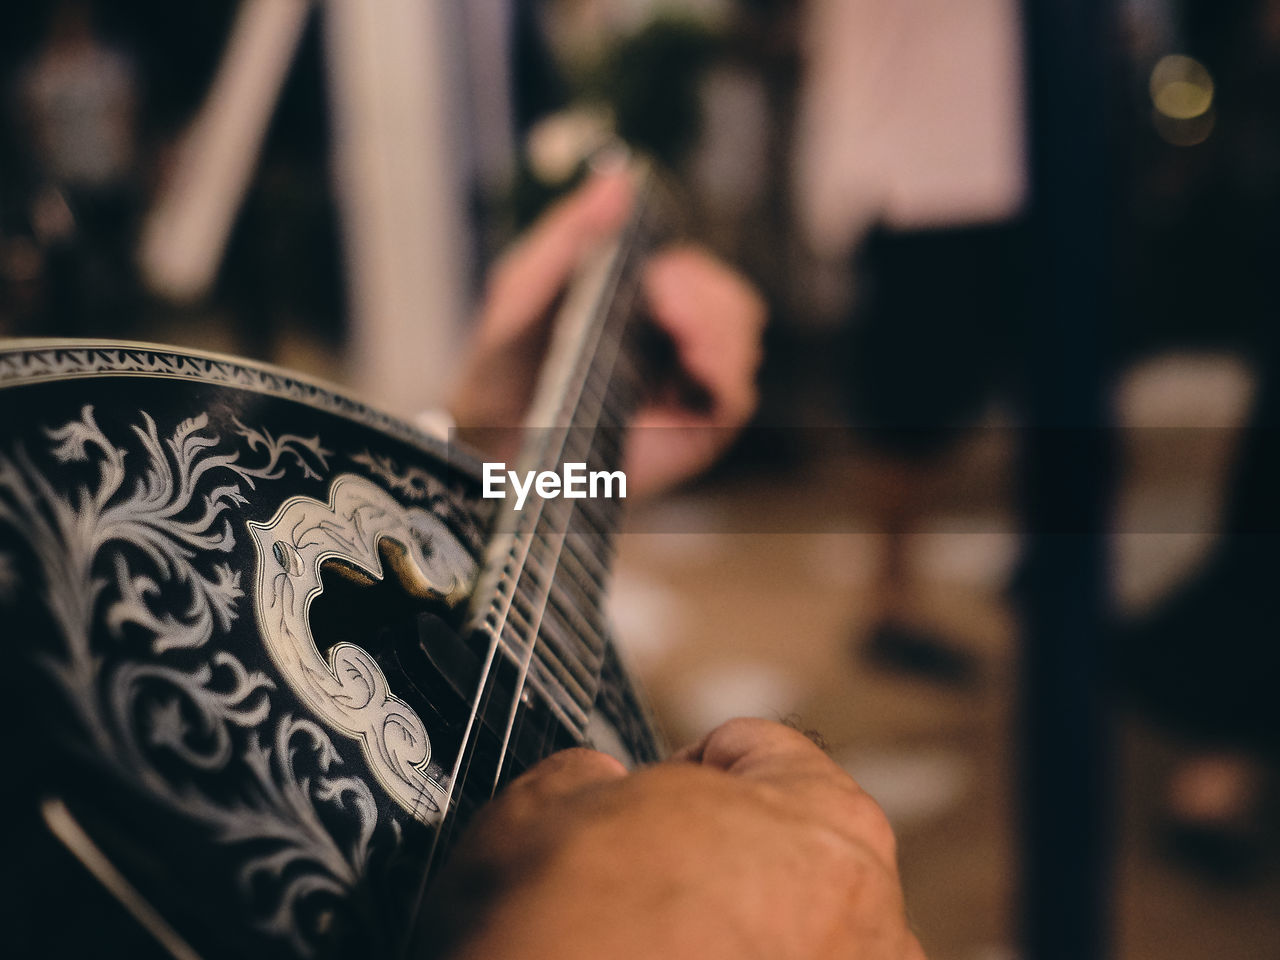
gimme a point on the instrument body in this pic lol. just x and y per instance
(247, 692)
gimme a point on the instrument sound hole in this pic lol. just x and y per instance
(355, 608)
(413, 640)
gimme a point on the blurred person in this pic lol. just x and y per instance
(1204, 662)
(910, 153)
(935, 340)
(79, 102)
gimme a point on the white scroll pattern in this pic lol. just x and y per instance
(144, 551)
(347, 689)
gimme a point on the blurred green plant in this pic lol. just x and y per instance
(651, 81)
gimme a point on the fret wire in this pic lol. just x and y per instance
(596, 580)
(613, 419)
(581, 578)
(579, 552)
(592, 588)
(616, 412)
(581, 670)
(591, 555)
(541, 682)
(515, 614)
(577, 447)
(558, 678)
(595, 386)
(587, 648)
(596, 524)
(628, 384)
(575, 671)
(590, 517)
(590, 511)
(561, 673)
(604, 455)
(570, 712)
(564, 602)
(582, 629)
(543, 565)
(583, 667)
(587, 590)
(519, 545)
(538, 572)
(542, 536)
(567, 644)
(592, 644)
(567, 597)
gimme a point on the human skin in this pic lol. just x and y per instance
(751, 843)
(712, 314)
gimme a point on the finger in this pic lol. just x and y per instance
(744, 740)
(685, 272)
(666, 445)
(715, 319)
(543, 791)
(698, 298)
(768, 752)
(568, 772)
(530, 276)
(789, 761)
(801, 779)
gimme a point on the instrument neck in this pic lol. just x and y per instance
(541, 596)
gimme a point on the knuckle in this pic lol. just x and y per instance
(873, 827)
(744, 730)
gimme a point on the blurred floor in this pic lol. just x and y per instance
(768, 622)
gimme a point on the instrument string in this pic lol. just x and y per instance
(546, 576)
(584, 405)
(581, 619)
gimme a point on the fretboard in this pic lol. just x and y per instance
(541, 597)
(538, 609)
(549, 563)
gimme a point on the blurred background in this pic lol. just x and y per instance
(979, 224)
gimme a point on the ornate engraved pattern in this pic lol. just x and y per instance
(161, 539)
(348, 690)
(413, 483)
(420, 486)
(53, 360)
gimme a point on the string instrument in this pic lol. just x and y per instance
(267, 649)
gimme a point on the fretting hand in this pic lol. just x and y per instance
(713, 316)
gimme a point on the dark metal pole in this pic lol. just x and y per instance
(1066, 469)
